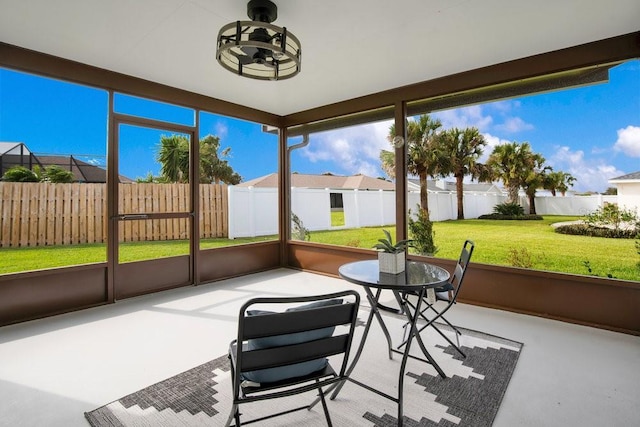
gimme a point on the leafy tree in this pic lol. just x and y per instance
(558, 181)
(57, 174)
(213, 166)
(20, 174)
(459, 151)
(423, 154)
(611, 191)
(512, 164)
(173, 154)
(149, 179)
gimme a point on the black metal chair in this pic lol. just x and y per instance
(284, 353)
(449, 294)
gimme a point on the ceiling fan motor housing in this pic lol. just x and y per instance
(262, 10)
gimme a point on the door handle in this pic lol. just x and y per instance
(133, 216)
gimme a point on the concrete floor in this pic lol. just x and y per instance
(53, 370)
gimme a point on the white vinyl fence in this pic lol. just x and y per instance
(577, 205)
(254, 211)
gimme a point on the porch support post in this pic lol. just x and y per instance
(401, 171)
(284, 196)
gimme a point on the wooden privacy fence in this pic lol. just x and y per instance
(41, 214)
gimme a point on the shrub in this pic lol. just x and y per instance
(519, 258)
(612, 217)
(298, 230)
(511, 217)
(57, 174)
(638, 248)
(421, 231)
(509, 209)
(587, 265)
(20, 174)
(355, 243)
(582, 229)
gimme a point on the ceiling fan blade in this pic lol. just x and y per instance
(249, 50)
(245, 59)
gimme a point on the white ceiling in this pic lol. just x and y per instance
(350, 47)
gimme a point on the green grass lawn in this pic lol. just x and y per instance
(496, 242)
(337, 218)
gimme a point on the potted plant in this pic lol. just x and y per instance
(392, 256)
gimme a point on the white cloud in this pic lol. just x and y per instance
(477, 116)
(355, 149)
(503, 106)
(492, 142)
(221, 130)
(465, 117)
(513, 125)
(591, 175)
(628, 141)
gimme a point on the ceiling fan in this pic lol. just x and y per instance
(258, 49)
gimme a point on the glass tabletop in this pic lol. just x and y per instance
(416, 275)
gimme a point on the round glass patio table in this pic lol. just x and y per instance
(417, 278)
(416, 275)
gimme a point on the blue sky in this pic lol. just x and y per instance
(591, 132)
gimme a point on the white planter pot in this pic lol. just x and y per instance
(391, 263)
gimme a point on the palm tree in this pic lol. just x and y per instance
(512, 163)
(535, 179)
(422, 153)
(173, 155)
(388, 160)
(558, 181)
(461, 149)
(566, 183)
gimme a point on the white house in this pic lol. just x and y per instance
(628, 190)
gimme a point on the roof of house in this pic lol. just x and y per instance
(13, 148)
(432, 185)
(634, 176)
(82, 171)
(299, 180)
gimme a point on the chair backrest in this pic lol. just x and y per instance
(461, 267)
(277, 340)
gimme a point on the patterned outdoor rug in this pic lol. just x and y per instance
(470, 396)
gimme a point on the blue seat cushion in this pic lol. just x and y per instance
(272, 375)
(290, 371)
(445, 288)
